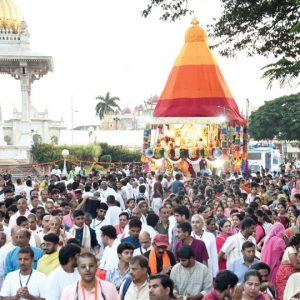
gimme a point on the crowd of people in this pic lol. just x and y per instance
(131, 235)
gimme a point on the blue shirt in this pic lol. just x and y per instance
(116, 277)
(176, 185)
(12, 259)
(239, 267)
(136, 243)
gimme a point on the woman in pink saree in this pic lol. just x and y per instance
(273, 249)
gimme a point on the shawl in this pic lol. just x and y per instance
(292, 287)
(86, 237)
(153, 261)
(48, 262)
(273, 249)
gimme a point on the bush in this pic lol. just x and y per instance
(106, 158)
(120, 154)
(43, 153)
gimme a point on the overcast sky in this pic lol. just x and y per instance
(100, 46)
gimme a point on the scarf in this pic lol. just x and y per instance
(86, 236)
(153, 261)
(48, 262)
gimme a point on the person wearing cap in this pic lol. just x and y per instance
(160, 260)
(49, 261)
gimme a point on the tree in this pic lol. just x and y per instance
(284, 70)
(255, 26)
(277, 119)
(172, 9)
(44, 153)
(106, 105)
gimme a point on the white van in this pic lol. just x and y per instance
(267, 157)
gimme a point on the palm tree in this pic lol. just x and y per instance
(106, 105)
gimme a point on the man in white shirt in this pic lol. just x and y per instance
(110, 259)
(100, 221)
(25, 283)
(105, 191)
(126, 170)
(56, 171)
(252, 195)
(120, 190)
(210, 242)
(113, 210)
(19, 187)
(145, 241)
(232, 247)
(65, 274)
(5, 249)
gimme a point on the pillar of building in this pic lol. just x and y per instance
(25, 91)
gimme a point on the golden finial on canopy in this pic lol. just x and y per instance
(195, 21)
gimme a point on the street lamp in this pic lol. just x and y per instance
(65, 154)
(72, 119)
(117, 119)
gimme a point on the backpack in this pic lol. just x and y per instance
(126, 285)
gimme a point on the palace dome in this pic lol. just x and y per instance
(10, 16)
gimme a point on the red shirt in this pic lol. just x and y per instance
(211, 296)
(199, 249)
(220, 240)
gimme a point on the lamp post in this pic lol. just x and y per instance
(65, 154)
(72, 119)
(117, 119)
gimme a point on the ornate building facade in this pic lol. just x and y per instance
(18, 60)
(127, 119)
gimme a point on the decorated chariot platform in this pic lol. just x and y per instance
(197, 126)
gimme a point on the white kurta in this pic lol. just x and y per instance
(211, 247)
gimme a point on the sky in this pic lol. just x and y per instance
(107, 46)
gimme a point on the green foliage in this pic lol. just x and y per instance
(120, 154)
(105, 158)
(171, 9)
(258, 27)
(42, 153)
(283, 70)
(277, 119)
(106, 105)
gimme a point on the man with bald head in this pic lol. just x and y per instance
(145, 241)
(22, 239)
(105, 191)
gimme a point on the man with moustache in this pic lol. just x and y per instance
(160, 260)
(160, 287)
(25, 283)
